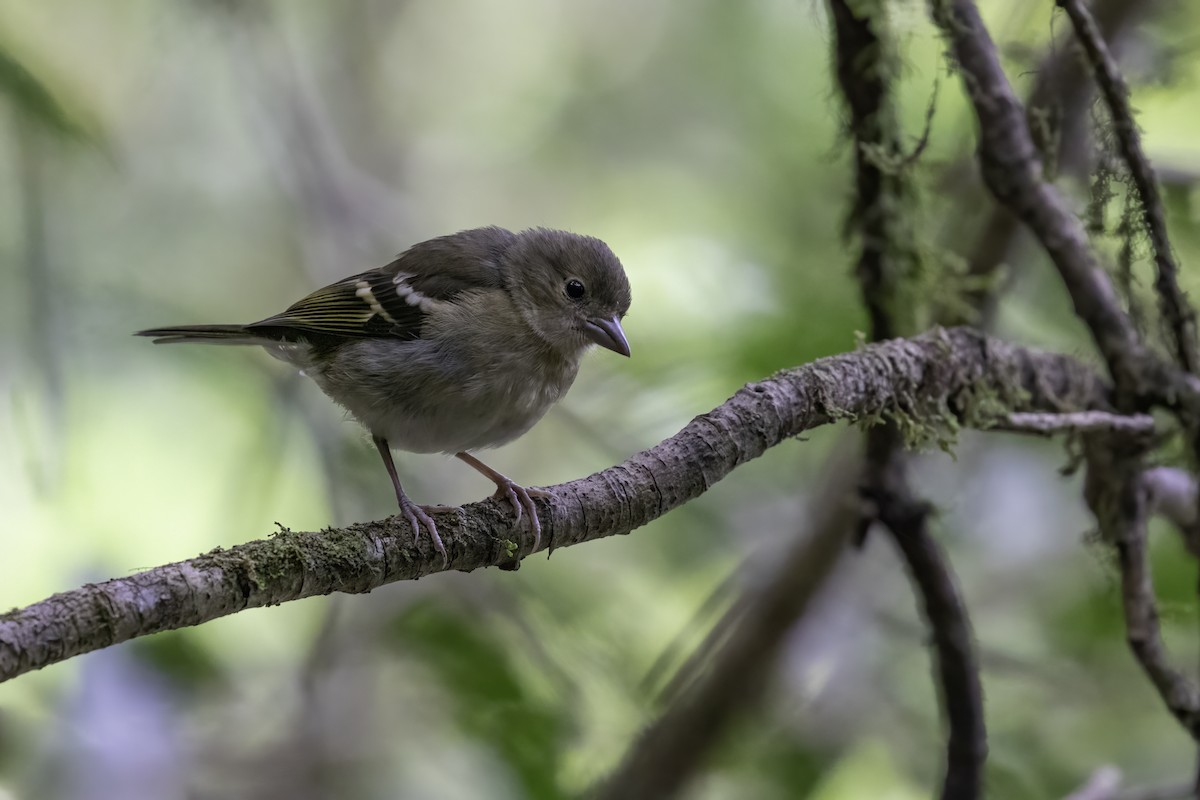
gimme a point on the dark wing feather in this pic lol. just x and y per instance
(360, 306)
(393, 301)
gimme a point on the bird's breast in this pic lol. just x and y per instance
(432, 401)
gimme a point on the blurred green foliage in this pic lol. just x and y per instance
(29, 96)
(491, 701)
(241, 154)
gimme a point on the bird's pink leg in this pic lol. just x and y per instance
(416, 515)
(520, 497)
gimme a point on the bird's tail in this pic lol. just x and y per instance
(204, 334)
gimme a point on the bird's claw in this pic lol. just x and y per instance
(522, 503)
(418, 517)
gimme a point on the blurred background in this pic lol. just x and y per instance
(214, 160)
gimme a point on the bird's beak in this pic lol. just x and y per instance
(607, 333)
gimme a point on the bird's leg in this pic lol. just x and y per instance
(415, 514)
(520, 497)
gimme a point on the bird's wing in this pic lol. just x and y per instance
(393, 301)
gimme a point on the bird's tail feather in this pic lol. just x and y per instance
(204, 334)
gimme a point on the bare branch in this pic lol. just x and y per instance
(1116, 491)
(906, 517)
(918, 377)
(1178, 313)
(1061, 90)
(1077, 422)
(1012, 170)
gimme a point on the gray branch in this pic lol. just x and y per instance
(1012, 170)
(1044, 424)
(934, 375)
(1177, 312)
(1118, 492)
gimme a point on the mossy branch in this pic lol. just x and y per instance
(888, 272)
(936, 370)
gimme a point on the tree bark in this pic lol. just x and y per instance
(940, 378)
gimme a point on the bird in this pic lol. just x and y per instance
(463, 342)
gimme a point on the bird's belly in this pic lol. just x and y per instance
(425, 398)
(460, 421)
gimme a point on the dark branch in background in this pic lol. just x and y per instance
(1128, 524)
(888, 263)
(1180, 319)
(743, 646)
(1012, 170)
(1116, 490)
(877, 216)
(671, 750)
(894, 505)
(916, 378)
(1061, 91)
(1177, 313)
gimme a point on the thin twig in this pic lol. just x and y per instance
(1061, 87)
(1077, 422)
(1116, 491)
(1177, 312)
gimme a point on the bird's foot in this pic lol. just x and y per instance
(521, 499)
(418, 517)
(506, 489)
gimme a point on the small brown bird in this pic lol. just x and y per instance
(462, 343)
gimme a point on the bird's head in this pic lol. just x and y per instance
(571, 289)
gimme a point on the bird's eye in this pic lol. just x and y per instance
(575, 289)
